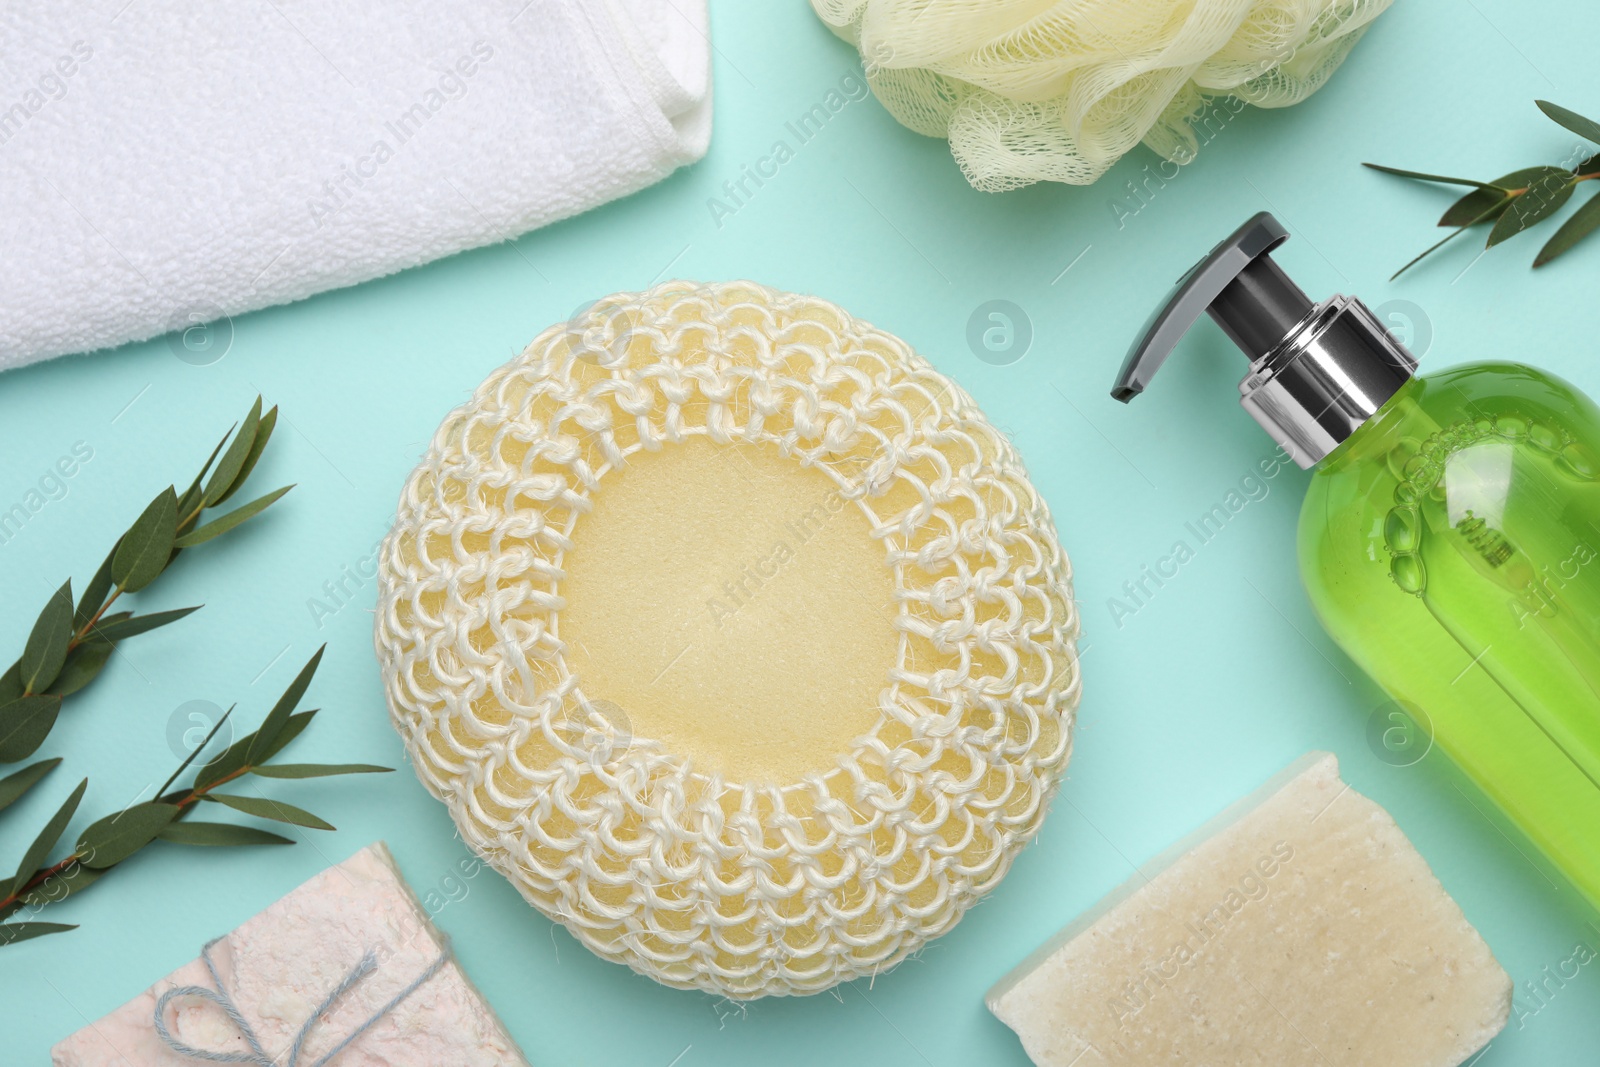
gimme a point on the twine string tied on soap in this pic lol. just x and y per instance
(257, 1055)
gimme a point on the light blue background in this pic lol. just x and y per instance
(1221, 680)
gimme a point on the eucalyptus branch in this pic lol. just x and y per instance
(109, 841)
(70, 645)
(1523, 198)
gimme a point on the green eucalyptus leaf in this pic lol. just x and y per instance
(1588, 129)
(11, 683)
(39, 851)
(232, 462)
(109, 841)
(1583, 222)
(190, 758)
(222, 525)
(263, 435)
(24, 724)
(1480, 205)
(84, 662)
(291, 730)
(12, 933)
(220, 834)
(94, 594)
(233, 758)
(1588, 166)
(317, 770)
(1419, 176)
(278, 717)
(276, 810)
(133, 625)
(147, 546)
(1543, 199)
(1426, 252)
(61, 885)
(1528, 177)
(13, 786)
(227, 762)
(189, 503)
(46, 649)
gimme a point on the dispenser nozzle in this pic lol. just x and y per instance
(1249, 296)
(1317, 371)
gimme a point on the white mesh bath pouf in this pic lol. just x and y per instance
(1028, 91)
(733, 635)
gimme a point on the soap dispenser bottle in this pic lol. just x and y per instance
(1450, 536)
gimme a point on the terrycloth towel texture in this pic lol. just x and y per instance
(163, 163)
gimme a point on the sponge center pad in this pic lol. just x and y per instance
(733, 605)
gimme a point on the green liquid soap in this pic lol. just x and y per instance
(1451, 546)
(1450, 537)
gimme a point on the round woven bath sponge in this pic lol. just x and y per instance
(733, 635)
(1035, 90)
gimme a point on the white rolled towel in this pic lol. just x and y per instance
(163, 163)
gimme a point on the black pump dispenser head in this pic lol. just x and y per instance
(1317, 371)
(1259, 307)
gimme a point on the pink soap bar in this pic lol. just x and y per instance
(279, 966)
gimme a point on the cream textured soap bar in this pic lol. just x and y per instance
(1298, 927)
(278, 967)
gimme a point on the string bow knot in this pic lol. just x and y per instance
(257, 1055)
